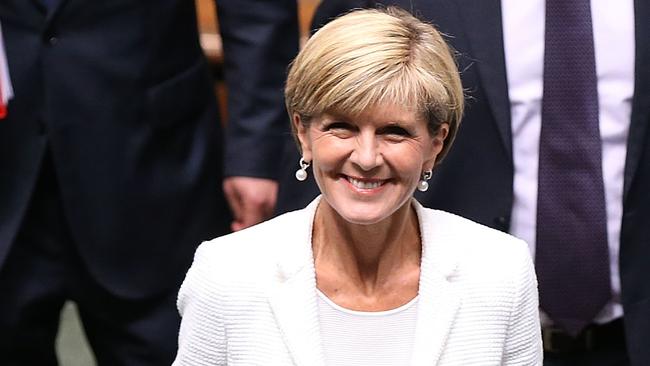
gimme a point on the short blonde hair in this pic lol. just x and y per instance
(374, 57)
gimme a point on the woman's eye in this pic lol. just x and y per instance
(396, 130)
(339, 126)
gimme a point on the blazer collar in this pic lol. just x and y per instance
(294, 299)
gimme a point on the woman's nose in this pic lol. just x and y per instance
(366, 153)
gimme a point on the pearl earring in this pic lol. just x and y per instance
(423, 185)
(301, 174)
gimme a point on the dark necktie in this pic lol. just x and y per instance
(571, 247)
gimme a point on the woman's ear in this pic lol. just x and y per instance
(441, 135)
(438, 143)
(302, 133)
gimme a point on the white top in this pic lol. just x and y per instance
(523, 32)
(250, 297)
(360, 338)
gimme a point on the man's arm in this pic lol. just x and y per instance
(260, 38)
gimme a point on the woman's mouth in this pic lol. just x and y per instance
(365, 183)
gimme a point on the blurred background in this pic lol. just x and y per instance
(72, 347)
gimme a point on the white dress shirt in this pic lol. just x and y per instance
(523, 33)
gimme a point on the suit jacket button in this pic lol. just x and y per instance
(50, 38)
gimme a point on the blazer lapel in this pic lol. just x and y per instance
(439, 300)
(641, 100)
(52, 10)
(293, 299)
(482, 24)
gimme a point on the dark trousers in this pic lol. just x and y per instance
(44, 269)
(616, 355)
(609, 357)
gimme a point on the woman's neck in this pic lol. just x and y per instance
(367, 267)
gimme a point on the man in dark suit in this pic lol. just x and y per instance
(110, 169)
(482, 176)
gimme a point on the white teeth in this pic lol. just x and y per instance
(363, 185)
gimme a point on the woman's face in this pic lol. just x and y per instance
(367, 167)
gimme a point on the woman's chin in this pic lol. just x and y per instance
(364, 214)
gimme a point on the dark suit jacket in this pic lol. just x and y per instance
(475, 180)
(119, 92)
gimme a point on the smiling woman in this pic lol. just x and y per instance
(365, 275)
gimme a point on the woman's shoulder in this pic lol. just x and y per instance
(251, 253)
(242, 241)
(474, 243)
(486, 262)
(464, 229)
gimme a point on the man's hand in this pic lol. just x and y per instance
(252, 200)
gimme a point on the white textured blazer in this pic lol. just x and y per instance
(250, 297)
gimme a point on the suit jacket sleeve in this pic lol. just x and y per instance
(259, 40)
